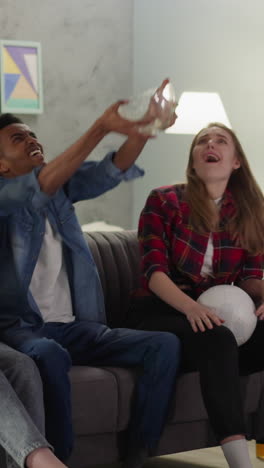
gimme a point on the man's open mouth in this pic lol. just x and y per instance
(35, 153)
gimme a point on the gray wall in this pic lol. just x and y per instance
(202, 45)
(87, 65)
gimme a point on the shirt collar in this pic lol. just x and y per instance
(227, 198)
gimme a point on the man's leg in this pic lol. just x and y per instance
(53, 362)
(18, 435)
(158, 354)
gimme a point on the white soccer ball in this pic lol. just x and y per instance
(235, 307)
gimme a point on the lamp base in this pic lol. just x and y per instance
(260, 451)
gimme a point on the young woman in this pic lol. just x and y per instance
(193, 236)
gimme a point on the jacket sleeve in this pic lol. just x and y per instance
(22, 191)
(94, 178)
(153, 238)
(252, 268)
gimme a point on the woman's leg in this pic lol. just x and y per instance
(251, 359)
(217, 361)
(213, 352)
(220, 385)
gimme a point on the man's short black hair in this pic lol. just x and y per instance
(8, 119)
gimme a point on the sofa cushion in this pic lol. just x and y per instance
(125, 379)
(116, 255)
(102, 398)
(95, 396)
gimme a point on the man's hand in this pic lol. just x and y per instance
(112, 121)
(165, 113)
(202, 317)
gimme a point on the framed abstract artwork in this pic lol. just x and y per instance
(21, 77)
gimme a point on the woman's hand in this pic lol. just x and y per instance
(202, 317)
(260, 311)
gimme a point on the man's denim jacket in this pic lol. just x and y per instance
(26, 207)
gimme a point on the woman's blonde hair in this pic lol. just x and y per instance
(246, 226)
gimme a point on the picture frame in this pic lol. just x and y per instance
(21, 89)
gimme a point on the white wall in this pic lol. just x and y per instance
(87, 65)
(202, 45)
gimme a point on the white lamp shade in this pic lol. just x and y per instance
(196, 110)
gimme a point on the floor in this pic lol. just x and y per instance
(204, 458)
(209, 458)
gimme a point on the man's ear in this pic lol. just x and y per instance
(3, 167)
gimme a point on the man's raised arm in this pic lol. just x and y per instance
(54, 174)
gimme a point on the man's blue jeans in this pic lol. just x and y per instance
(55, 346)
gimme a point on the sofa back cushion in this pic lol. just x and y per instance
(116, 255)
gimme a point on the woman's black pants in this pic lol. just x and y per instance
(214, 353)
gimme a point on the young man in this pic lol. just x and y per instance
(22, 416)
(64, 320)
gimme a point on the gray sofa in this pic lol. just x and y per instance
(101, 396)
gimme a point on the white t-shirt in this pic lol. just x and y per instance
(49, 284)
(207, 267)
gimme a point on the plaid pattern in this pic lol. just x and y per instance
(168, 243)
